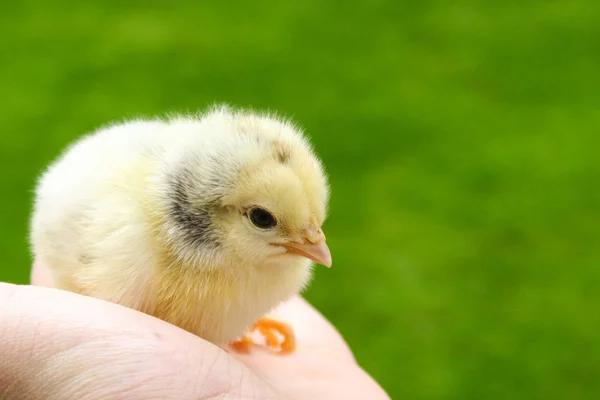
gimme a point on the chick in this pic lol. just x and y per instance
(207, 222)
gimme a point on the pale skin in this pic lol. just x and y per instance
(60, 345)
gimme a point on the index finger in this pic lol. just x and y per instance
(56, 344)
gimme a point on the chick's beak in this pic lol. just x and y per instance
(314, 247)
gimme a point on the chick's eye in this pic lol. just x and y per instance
(262, 218)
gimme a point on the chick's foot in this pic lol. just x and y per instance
(271, 330)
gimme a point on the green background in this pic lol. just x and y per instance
(461, 139)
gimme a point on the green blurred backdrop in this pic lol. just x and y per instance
(462, 140)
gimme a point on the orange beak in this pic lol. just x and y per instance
(314, 247)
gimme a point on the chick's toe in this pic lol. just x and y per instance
(271, 330)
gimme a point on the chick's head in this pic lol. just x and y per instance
(259, 197)
(276, 211)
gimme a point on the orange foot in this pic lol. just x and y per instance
(269, 328)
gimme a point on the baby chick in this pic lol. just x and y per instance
(206, 222)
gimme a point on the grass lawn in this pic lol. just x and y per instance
(462, 141)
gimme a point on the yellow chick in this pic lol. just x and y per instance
(206, 222)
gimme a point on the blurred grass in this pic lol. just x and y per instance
(462, 139)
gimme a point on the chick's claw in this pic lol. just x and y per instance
(242, 345)
(270, 329)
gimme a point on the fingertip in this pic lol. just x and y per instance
(311, 327)
(41, 275)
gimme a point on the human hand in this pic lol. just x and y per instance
(60, 345)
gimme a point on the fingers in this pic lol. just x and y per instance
(317, 340)
(56, 344)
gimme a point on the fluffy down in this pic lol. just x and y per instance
(154, 215)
